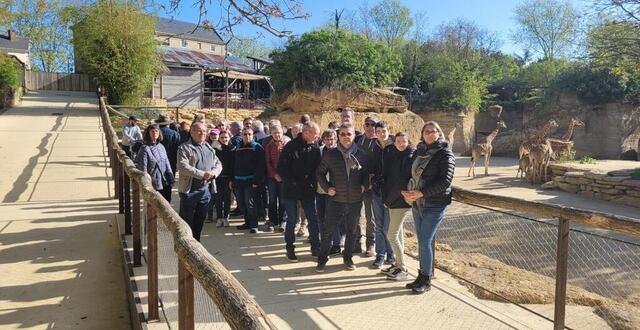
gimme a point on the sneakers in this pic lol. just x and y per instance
(369, 253)
(291, 256)
(253, 231)
(349, 265)
(220, 223)
(242, 227)
(321, 266)
(423, 284)
(301, 231)
(398, 275)
(268, 227)
(377, 264)
(335, 251)
(389, 270)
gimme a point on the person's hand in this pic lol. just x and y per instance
(411, 195)
(331, 192)
(278, 178)
(362, 188)
(208, 175)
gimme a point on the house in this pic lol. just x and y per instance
(15, 46)
(198, 69)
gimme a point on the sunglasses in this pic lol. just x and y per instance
(369, 124)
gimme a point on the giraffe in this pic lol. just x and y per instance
(451, 135)
(484, 148)
(539, 156)
(523, 150)
(565, 143)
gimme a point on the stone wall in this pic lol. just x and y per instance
(615, 186)
(464, 136)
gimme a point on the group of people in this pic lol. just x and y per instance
(330, 176)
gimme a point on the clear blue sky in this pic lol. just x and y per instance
(494, 15)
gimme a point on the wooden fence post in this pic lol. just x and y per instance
(186, 313)
(137, 241)
(119, 185)
(562, 258)
(152, 261)
(127, 202)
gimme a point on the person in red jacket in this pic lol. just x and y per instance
(272, 152)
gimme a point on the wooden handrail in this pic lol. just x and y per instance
(239, 309)
(595, 219)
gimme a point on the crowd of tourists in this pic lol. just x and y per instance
(302, 178)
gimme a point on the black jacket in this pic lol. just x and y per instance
(249, 166)
(297, 167)
(396, 172)
(348, 188)
(438, 175)
(226, 155)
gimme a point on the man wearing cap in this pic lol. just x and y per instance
(130, 134)
(369, 143)
(170, 141)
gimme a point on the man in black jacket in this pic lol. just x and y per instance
(248, 173)
(297, 167)
(348, 168)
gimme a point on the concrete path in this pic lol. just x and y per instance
(59, 251)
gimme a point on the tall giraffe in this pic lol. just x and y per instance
(572, 125)
(484, 148)
(564, 144)
(451, 135)
(524, 148)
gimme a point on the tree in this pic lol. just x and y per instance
(9, 72)
(115, 42)
(546, 26)
(391, 21)
(242, 47)
(337, 59)
(261, 13)
(47, 26)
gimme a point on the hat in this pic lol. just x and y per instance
(214, 131)
(371, 119)
(163, 120)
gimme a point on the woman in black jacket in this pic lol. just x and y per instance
(429, 193)
(396, 172)
(223, 199)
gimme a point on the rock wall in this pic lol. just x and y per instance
(466, 121)
(615, 186)
(378, 100)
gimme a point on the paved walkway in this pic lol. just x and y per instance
(59, 252)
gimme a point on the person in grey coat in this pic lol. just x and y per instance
(152, 158)
(198, 167)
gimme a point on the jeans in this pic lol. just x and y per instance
(426, 220)
(347, 214)
(212, 204)
(276, 209)
(395, 234)
(193, 209)
(246, 200)
(370, 224)
(309, 206)
(381, 218)
(321, 207)
(223, 198)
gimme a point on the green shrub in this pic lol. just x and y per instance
(9, 72)
(333, 58)
(587, 160)
(590, 84)
(567, 156)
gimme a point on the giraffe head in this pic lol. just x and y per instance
(577, 122)
(501, 124)
(552, 123)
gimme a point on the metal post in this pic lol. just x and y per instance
(186, 313)
(127, 202)
(177, 115)
(562, 257)
(137, 241)
(152, 262)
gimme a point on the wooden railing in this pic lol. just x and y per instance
(132, 186)
(565, 216)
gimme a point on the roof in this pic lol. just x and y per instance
(261, 59)
(19, 45)
(187, 30)
(207, 61)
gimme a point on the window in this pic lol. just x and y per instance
(213, 48)
(184, 43)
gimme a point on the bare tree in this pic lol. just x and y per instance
(546, 26)
(461, 37)
(262, 13)
(391, 21)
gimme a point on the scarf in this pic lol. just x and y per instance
(424, 154)
(350, 161)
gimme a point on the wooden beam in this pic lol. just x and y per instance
(152, 262)
(137, 225)
(186, 312)
(562, 261)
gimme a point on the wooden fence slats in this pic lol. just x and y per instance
(59, 81)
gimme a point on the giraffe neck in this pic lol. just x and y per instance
(453, 131)
(492, 136)
(569, 133)
(543, 133)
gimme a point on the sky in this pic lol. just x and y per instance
(494, 15)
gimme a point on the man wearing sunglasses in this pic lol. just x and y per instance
(348, 169)
(248, 174)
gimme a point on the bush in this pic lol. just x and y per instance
(567, 155)
(590, 84)
(9, 72)
(333, 58)
(587, 160)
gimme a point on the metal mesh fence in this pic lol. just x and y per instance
(514, 256)
(207, 314)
